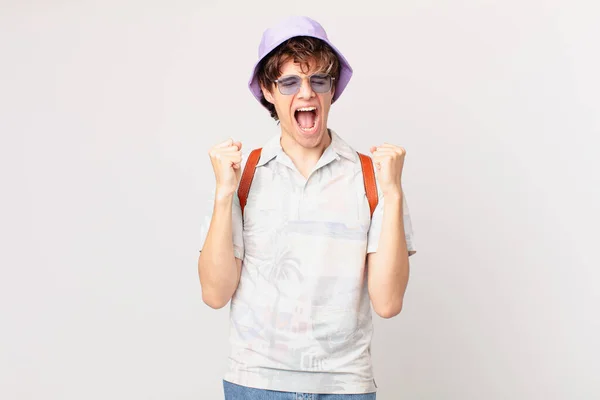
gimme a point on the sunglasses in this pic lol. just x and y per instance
(290, 84)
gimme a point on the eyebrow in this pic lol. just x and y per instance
(293, 75)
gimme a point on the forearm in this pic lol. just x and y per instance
(388, 268)
(218, 268)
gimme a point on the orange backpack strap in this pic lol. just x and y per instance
(369, 181)
(247, 176)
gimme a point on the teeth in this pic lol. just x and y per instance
(307, 109)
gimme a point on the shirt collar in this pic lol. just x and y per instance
(338, 146)
(341, 148)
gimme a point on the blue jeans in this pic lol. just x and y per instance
(237, 392)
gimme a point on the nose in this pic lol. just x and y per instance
(306, 90)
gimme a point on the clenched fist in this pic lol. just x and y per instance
(389, 162)
(226, 160)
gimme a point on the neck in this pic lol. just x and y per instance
(304, 158)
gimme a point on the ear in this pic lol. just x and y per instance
(268, 95)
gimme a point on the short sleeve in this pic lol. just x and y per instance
(377, 222)
(236, 220)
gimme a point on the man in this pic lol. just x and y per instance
(304, 260)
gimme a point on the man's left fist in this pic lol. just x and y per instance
(389, 161)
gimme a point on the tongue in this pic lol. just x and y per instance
(306, 119)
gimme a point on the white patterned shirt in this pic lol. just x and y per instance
(300, 320)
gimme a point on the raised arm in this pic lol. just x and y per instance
(218, 267)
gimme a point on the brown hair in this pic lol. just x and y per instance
(303, 50)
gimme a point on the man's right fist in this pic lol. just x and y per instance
(226, 160)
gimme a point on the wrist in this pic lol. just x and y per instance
(393, 193)
(224, 194)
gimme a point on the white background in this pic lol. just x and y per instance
(108, 109)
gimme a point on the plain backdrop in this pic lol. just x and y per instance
(107, 112)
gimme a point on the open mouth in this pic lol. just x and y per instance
(307, 118)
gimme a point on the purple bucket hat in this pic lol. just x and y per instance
(289, 28)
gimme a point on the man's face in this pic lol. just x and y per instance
(303, 114)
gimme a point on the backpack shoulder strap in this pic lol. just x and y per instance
(247, 176)
(369, 181)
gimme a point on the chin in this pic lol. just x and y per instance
(312, 140)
